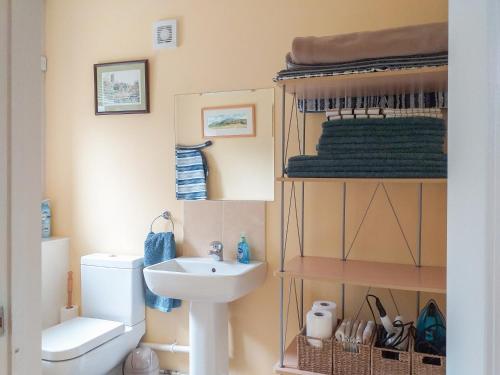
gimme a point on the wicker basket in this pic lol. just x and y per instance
(389, 361)
(346, 362)
(427, 364)
(314, 359)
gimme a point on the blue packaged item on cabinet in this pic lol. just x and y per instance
(46, 217)
(243, 250)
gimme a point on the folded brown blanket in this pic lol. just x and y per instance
(401, 41)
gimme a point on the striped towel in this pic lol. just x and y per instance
(190, 175)
(416, 99)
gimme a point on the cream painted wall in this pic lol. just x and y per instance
(109, 176)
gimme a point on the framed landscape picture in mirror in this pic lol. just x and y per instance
(229, 121)
(121, 87)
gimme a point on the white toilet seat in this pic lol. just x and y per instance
(101, 358)
(76, 337)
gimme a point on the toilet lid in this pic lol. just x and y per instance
(76, 337)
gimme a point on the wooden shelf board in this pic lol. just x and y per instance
(292, 371)
(364, 273)
(291, 362)
(427, 79)
(382, 180)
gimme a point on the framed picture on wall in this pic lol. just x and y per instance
(121, 87)
(229, 121)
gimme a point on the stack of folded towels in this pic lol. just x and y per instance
(407, 47)
(368, 51)
(391, 147)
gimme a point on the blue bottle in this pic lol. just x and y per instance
(243, 250)
(46, 217)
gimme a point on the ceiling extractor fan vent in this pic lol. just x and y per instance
(165, 34)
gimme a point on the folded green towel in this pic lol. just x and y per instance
(411, 155)
(416, 122)
(321, 165)
(369, 174)
(387, 155)
(381, 132)
(390, 140)
(388, 163)
(362, 167)
(356, 149)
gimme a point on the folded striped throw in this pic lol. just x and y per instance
(190, 175)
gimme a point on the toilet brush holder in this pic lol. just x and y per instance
(67, 313)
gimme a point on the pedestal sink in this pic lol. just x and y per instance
(209, 285)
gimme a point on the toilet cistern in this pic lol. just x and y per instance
(216, 251)
(112, 321)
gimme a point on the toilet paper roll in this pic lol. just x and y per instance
(319, 325)
(328, 306)
(68, 313)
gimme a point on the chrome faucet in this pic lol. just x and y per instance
(216, 251)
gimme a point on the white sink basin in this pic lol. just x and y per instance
(204, 279)
(209, 285)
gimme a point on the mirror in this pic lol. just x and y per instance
(241, 126)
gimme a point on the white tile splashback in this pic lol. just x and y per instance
(206, 221)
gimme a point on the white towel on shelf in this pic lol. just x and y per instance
(373, 110)
(346, 111)
(333, 112)
(334, 117)
(359, 111)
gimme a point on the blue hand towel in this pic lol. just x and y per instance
(159, 247)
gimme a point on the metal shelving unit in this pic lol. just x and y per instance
(412, 277)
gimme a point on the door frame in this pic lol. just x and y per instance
(4, 178)
(473, 301)
(20, 185)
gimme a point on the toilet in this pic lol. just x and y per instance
(112, 321)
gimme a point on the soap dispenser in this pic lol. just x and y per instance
(243, 250)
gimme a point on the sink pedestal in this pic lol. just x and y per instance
(208, 338)
(209, 285)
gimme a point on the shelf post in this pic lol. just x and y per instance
(303, 186)
(344, 197)
(282, 239)
(343, 219)
(419, 226)
(302, 226)
(419, 237)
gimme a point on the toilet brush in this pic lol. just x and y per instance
(69, 303)
(69, 311)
